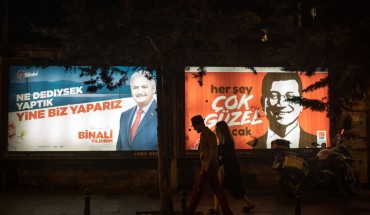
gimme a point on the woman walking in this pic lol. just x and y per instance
(229, 172)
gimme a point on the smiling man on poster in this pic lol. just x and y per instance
(282, 114)
(138, 125)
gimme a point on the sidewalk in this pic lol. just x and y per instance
(270, 202)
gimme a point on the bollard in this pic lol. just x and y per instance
(87, 194)
(297, 202)
(183, 201)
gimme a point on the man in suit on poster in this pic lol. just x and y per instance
(282, 114)
(138, 125)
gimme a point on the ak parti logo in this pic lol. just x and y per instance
(21, 74)
(24, 74)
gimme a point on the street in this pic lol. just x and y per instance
(268, 202)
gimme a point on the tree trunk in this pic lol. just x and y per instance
(164, 178)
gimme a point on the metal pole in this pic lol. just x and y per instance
(297, 202)
(87, 195)
(183, 201)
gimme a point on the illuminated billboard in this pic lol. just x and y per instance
(51, 109)
(256, 106)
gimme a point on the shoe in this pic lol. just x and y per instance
(213, 211)
(248, 208)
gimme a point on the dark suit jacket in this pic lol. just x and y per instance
(146, 137)
(305, 140)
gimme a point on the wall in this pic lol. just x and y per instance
(98, 175)
(257, 173)
(122, 175)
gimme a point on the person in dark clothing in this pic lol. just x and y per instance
(229, 171)
(208, 173)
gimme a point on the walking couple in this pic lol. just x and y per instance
(220, 168)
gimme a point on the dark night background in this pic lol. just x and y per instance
(168, 35)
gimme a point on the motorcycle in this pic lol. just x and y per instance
(329, 167)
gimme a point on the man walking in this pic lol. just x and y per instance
(208, 173)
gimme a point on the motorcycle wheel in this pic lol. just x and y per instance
(350, 181)
(291, 182)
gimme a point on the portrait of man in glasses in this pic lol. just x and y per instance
(278, 91)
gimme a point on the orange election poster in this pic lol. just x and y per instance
(234, 94)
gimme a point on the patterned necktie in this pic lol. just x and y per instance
(135, 125)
